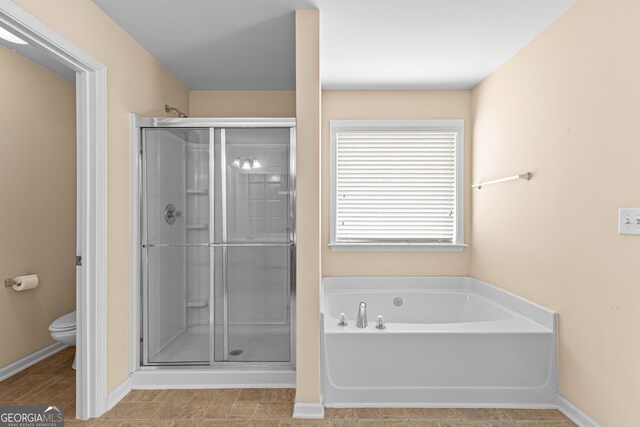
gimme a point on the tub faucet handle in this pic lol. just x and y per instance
(380, 322)
(361, 321)
(343, 320)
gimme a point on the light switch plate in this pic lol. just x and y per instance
(629, 221)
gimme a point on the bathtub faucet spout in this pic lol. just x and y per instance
(361, 322)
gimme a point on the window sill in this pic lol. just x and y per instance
(396, 247)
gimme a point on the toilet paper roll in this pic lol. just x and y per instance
(26, 282)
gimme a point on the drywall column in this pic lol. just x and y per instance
(308, 213)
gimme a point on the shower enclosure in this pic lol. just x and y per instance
(217, 242)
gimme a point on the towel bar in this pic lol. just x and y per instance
(526, 176)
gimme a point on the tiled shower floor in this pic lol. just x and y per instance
(52, 381)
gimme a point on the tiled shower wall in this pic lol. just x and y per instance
(258, 210)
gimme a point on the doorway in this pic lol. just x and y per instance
(90, 86)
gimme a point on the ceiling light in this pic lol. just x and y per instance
(10, 37)
(246, 165)
(256, 163)
(236, 162)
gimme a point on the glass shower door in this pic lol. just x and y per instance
(217, 246)
(176, 250)
(254, 246)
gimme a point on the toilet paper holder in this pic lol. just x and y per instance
(12, 282)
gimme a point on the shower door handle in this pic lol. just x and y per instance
(249, 245)
(175, 245)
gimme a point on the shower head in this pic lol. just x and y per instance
(169, 109)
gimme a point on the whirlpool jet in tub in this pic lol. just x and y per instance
(448, 341)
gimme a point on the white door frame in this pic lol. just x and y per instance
(91, 118)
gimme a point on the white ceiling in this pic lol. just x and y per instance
(365, 44)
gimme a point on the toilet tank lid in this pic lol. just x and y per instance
(68, 321)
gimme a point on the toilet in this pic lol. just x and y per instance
(63, 330)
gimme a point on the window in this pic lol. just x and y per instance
(397, 185)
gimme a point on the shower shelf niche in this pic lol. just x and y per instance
(197, 226)
(197, 303)
(197, 191)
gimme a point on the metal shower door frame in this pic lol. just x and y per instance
(225, 264)
(221, 125)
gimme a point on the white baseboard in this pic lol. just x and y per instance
(576, 414)
(442, 405)
(309, 410)
(118, 393)
(33, 358)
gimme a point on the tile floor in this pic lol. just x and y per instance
(52, 381)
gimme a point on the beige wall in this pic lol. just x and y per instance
(38, 188)
(308, 263)
(238, 103)
(136, 83)
(393, 105)
(566, 108)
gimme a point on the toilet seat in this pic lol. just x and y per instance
(64, 323)
(64, 335)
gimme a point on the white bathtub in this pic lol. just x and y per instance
(454, 341)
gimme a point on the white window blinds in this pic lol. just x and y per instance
(395, 186)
